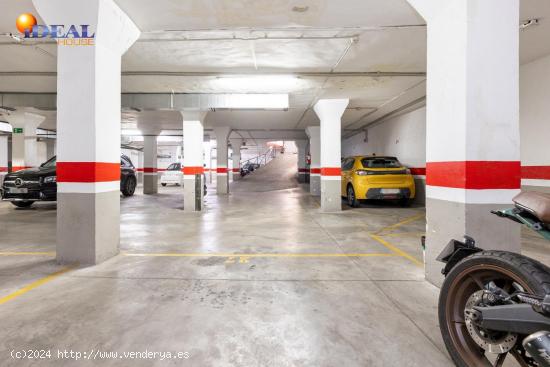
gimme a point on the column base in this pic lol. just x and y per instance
(449, 220)
(301, 177)
(150, 184)
(315, 185)
(222, 184)
(331, 195)
(88, 227)
(192, 203)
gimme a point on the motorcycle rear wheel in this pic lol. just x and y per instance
(471, 275)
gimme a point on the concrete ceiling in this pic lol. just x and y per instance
(193, 46)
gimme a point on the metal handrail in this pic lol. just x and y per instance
(261, 159)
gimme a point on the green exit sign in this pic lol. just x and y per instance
(18, 130)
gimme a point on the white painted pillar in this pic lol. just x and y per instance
(301, 145)
(314, 134)
(473, 156)
(150, 164)
(3, 157)
(236, 144)
(208, 157)
(88, 128)
(23, 140)
(139, 167)
(222, 182)
(193, 160)
(330, 113)
(50, 148)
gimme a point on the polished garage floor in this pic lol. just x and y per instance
(259, 279)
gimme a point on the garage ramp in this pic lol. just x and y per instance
(279, 174)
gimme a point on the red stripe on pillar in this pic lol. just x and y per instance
(221, 170)
(315, 170)
(303, 170)
(331, 171)
(193, 170)
(535, 172)
(87, 172)
(419, 171)
(139, 169)
(150, 170)
(477, 175)
(236, 170)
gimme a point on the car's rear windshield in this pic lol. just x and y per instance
(380, 162)
(173, 167)
(50, 163)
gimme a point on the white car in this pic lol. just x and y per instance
(172, 176)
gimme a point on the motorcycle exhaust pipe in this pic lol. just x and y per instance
(538, 347)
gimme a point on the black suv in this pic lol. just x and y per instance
(25, 187)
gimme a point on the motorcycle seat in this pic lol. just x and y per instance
(536, 203)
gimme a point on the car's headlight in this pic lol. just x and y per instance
(50, 179)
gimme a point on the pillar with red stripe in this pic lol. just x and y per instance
(24, 145)
(88, 128)
(236, 144)
(3, 157)
(193, 161)
(301, 146)
(314, 134)
(150, 162)
(222, 179)
(330, 113)
(473, 156)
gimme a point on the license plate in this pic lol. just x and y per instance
(15, 190)
(390, 191)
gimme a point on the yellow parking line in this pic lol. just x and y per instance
(12, 253)
(34, 284)
(176, 254)
(403, 222)
(396, 250)
(404, 234)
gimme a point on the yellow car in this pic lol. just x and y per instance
(373, 177)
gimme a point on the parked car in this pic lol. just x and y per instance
(379, 178)
(173, 175)
(23, 188)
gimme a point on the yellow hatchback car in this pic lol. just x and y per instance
(373, 177)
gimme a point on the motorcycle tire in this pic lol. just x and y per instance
(469, 276)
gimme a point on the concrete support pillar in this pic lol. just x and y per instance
(3, 157)
(301, 145)
(88, 128)
(222, 183)
(314, 134)
(150, 171)
(193, 160)
(50, 148)
(24, 144)
(139, 167)
(473, 157)
(236, 157)
(330, 113)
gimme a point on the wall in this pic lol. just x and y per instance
(534, 90)
(403, 137)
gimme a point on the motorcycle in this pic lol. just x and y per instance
(497, 303)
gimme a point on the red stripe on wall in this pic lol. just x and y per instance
(88, 172)
(331, 171)
(475, 175)
(193, 170)
(221, 170)
(19, 168)
(535, 172)
(150, 169)
(3, 169)
(236, 170)
(315, 170)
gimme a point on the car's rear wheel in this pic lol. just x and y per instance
(22, 204)
(405, 202)
(163, 184)
(352, 199)
(129, 187)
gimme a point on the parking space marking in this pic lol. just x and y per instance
(244, 257)
(27, 253)
(35, 284)
(396, 250)
(401, 223)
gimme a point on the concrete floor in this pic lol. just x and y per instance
(304, 288)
